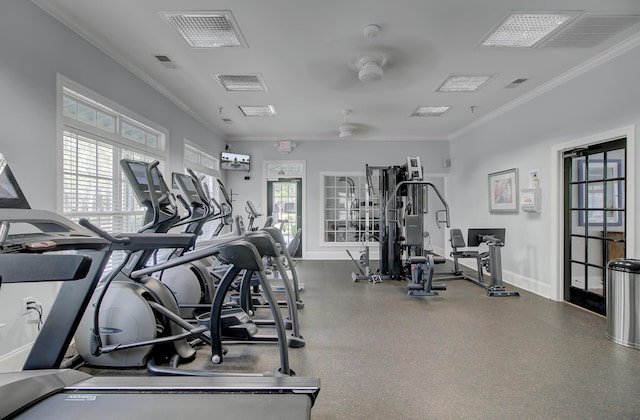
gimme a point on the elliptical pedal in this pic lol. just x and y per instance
(235, 323)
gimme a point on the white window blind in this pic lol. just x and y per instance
(204, 165)
(95, 138)
(94, 186)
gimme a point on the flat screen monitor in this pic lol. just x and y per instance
(474, 236)
(11, 196)
(235, 161)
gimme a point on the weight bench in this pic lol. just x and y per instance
(491, 260)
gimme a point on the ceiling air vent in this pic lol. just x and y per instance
(166, 61)
(590, 30)
(516, 83)
(430, 111)
(463, 83)
(206, 29)
(241, 83)
(258, 111)
(526, 29)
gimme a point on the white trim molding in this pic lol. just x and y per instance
(556, 266)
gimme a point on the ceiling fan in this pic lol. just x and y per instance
(371, 64)
(347, 129)
(357, 66)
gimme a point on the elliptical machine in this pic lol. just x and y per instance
(139, 320)
(192, 283)
(127, 316)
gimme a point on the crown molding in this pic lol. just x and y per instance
(605, 56)
(86, 35)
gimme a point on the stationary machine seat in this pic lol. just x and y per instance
(491, 260)
(457, 242)
(466, 253)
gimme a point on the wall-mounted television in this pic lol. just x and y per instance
(235, 161)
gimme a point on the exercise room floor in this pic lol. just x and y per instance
(381, 354)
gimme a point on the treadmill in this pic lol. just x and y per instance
(44, 390)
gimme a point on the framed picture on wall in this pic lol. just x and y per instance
(503, 191)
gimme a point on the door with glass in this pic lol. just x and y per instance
(595, 222)
(284, 204)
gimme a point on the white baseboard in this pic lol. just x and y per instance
(439, 251)
(341, 253)
(527, 283)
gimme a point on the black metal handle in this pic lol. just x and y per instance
(101, 233)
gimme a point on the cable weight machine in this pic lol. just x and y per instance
(403, 197)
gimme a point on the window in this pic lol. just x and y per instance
(204, 166)
(95, 137)
(94, 186)
(347, 217)
(195, 158)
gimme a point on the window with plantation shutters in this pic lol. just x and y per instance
(94, 186)
(204, 166)
(95, 137)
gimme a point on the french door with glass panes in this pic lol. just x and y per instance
(595, 222)
(284, 204)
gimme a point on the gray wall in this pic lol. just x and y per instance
(34, 48)
(339, 156)
(602, 99)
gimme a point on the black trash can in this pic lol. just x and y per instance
(623, 302)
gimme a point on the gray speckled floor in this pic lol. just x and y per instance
(383, 355)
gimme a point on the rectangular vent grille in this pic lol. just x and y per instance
(206, 29)
(516, 83)
(258, 111)
(463, 83)
(430, 111)
(241, 83)
(590, 30)
(526, 29)
(163, 58)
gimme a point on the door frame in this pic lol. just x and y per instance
(303, 175)
(297, 181)
(556, 249)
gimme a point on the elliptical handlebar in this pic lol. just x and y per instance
(153, 195)
(186, 206)
(124, 240)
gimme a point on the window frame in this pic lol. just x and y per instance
(348, 232)
(95, 100)
(212, 173)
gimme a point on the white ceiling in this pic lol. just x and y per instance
(303, 50)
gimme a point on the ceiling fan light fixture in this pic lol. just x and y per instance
(370, 72)
(346, 130)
